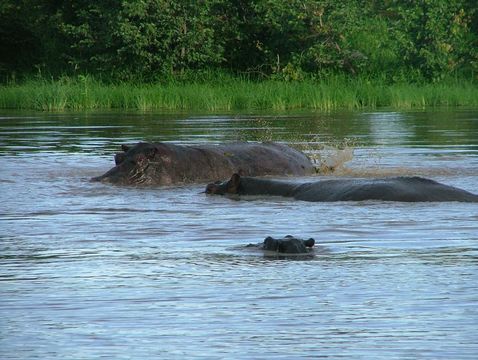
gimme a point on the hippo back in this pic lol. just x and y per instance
(168, 164)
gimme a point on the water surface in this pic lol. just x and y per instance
(90, 270)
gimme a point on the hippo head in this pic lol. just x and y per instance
(133, 166)
(232, 186)
(288, 245)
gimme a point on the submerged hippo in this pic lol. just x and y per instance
(168, 164)
(286, 246)
(410, 189)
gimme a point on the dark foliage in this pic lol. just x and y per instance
(150, 40)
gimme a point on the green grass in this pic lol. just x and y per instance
(335, 92)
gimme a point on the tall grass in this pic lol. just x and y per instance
(335, 92)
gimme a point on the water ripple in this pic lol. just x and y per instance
(90, 270)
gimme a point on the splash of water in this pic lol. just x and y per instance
(329, 157)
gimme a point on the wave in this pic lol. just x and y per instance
(342, 161)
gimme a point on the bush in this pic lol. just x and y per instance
(290, 40)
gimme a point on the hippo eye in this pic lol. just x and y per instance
(151, 153)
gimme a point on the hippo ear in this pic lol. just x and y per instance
(270, 244)
(309, 243)
(119, 158)
(125, 148)
(234, 183)
(236, 178)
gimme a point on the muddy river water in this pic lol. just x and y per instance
(90, 270)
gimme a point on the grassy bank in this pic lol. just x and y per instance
(84, 93)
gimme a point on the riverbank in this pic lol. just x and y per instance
(84, 93)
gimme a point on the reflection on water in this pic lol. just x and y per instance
(89, 270)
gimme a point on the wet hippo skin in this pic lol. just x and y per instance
(169, 164)
(407, 189)
(288, 245)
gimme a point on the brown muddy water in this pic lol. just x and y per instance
(90, 270)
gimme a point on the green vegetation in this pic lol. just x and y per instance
(237, 54)
(234, 94)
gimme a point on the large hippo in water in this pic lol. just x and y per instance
(168, 164)
(409, 189)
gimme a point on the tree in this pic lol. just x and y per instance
(140, 39)
(433, 35)
(147, 40)
(20, 47)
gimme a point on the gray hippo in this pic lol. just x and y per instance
(286, 246)
(169, 164)
(409, 189)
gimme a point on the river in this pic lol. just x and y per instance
(90, 270)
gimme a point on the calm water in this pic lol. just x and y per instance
(89, 270)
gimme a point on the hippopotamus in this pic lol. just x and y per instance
(169, 164)
(407, 189)
(286, 246)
